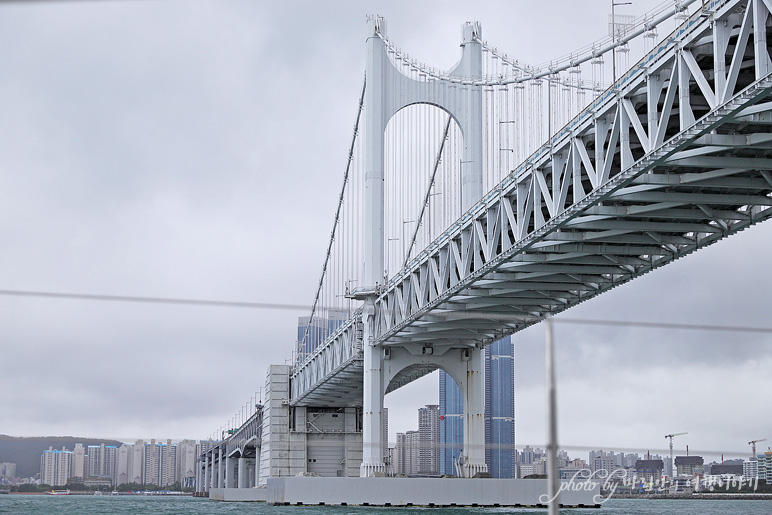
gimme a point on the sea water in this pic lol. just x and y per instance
(106, 504)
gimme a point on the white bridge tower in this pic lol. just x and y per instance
(387, 92)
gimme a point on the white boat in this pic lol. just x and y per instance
(58, 492)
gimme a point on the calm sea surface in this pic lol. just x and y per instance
(85, 505)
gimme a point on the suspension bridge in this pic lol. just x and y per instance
(479, 201)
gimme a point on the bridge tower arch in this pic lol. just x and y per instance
(388, 91)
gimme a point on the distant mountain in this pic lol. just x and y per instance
(26, 452)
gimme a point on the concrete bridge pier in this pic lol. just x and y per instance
(221, 468)
(243, 474)
(230, 472)
(205, 482)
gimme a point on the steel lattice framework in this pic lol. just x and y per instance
(677, 155)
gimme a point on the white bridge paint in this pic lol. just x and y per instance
(677, 155)
(387, 92)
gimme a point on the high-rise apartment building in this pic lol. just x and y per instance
(168, 471)
(55, 467)
(385, 433)
(7, 470)
(750, 469)
(186, 461)
(79, 461)
(122, 465)
(135, 469)
(101, 461)
(407, 453)
(429, 439)
(500, 454)
(764, 466)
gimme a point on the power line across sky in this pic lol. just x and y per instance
(305, 308)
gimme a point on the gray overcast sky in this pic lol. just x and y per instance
(195, 148)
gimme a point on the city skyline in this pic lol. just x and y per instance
(157, 176)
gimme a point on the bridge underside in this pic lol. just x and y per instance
(690, 195)
(676, 158)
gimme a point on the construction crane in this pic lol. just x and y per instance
(753, 444)
(671, 449)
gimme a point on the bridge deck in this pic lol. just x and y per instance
(630, 185)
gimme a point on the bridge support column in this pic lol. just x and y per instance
(220, 469)
(252, 468)
(230, 465)
(207, 475)
(467, 368)
(472, 460)
(372, 410)
(243, 475)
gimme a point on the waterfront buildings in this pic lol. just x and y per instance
(79, 461)
(500, 453)
(429, 439)
(101, 461)
(55, 467)
(649, 471)
(750, 468)
(689, 465)
(7, 471)
(407, 453)
(732, 467)
(417, 452)
(155, 463)
(764, 466)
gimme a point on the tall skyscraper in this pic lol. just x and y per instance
(500, 454)
(317, 332)
(429, 438)
(451, 424)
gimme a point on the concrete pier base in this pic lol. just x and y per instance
(386, 491)
(238, 494)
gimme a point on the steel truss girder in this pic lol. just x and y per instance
(663, 164)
